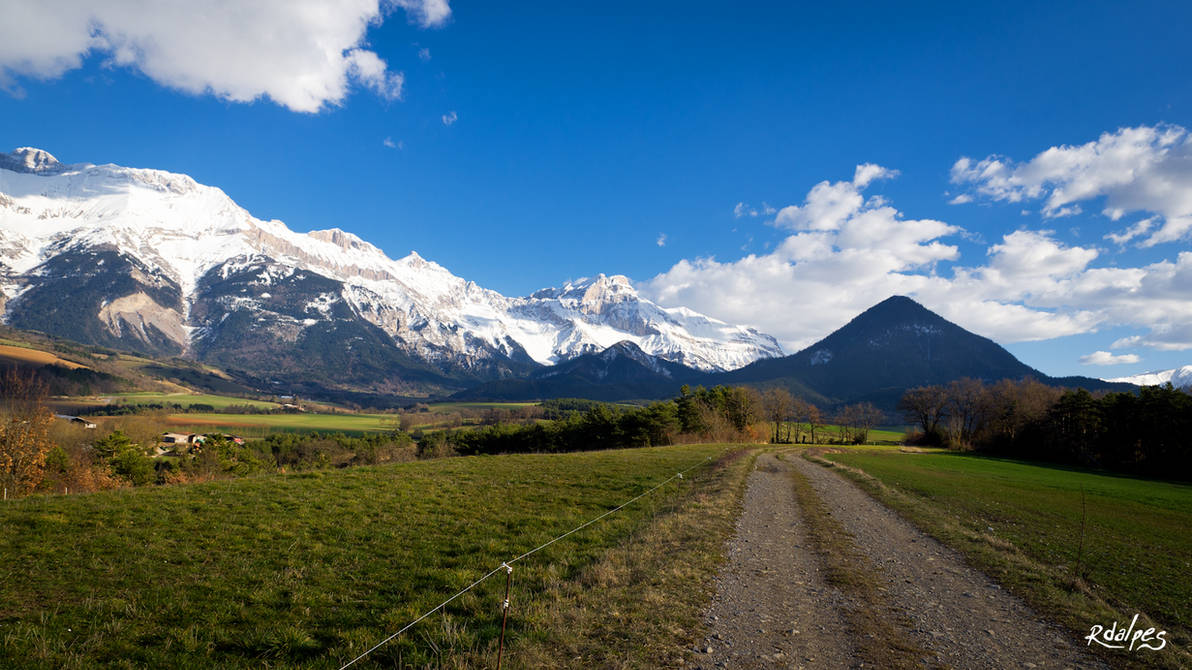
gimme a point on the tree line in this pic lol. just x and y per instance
(1139, 433)
(718, 414)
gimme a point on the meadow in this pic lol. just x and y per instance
(1087, 547)
(254, 425)
(187, 399)
(311, 569)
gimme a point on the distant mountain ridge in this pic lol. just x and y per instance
(155, 262)
(893, 346)
(1180, 377)
(621, 372)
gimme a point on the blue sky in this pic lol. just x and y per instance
(586, 133)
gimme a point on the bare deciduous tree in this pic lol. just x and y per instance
(926, 407)
(24, 431)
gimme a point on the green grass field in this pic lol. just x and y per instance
(187, 399)
(453, 406)
(1022, 523)
(254, 425)
(830, 433)
(311, 569)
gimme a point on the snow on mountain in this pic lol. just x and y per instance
(180, 233)
(1180, 377)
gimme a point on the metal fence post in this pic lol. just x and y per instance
(505, 613)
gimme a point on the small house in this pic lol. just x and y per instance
(78, 420)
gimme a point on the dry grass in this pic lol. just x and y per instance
(641, 604)
(36, 356)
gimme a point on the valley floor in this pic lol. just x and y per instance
(309, 569)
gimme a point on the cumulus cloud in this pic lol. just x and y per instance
(388, 142)
(1106, 358)
(450, 118)
(845, 252)
(661, 241)
(1146, 169)
(424, 55)
(302, 54)
(1168, 336)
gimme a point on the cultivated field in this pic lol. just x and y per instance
(255, 425)
(1085, 547)
(186, 400)
(311, 569)
(22, 354)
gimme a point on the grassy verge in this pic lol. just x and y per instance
(641, 604)
(311, 569)
(1084, 548)
(879, 631)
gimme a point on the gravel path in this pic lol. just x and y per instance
(773, 610)
(958, 612)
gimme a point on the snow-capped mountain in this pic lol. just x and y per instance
(1180, 377)
(158, 262)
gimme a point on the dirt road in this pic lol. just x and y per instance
(775, 608)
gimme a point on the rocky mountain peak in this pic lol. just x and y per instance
(31, 160)
(342, 239)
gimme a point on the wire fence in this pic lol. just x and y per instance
(508, 565)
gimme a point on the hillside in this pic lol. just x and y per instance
(890, 347)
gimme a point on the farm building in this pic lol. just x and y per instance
(76, 420)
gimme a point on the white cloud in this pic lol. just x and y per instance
(388, 142)
(1106, 358)
(1144, 169)
(368, 69)
(302, 54)
(428, 13)
(846, 252)
(1035, 255)
(1138, 229)
(424, 55)
(661, 240)
(1164, 337)
(742, 210)
(450, 118)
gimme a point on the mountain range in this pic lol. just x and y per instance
(154, 262)
(890, 347)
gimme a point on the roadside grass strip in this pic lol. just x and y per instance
(641, 604)
(1081, 548)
